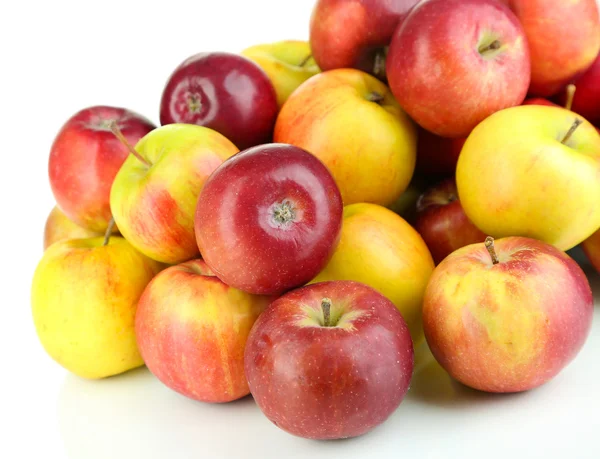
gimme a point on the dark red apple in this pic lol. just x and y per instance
(355, 33)
(225, 92)
(330, 360)
(84, 159)
(269, 219)
(437, 156)
(442, 222)
(586, 101)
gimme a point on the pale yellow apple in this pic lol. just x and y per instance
(84, 297)
(522, 173)
(287, 63)
(379, 248)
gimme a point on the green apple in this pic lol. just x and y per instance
(153, 198)
(287, 63)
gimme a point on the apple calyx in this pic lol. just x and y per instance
(489, 245)
(194, 103)
(119, 135)
(375, 97)
(571, 130)
(326, 307)
(570, 96)
(109, 230)
(283, 213)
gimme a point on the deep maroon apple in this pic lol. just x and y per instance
(437, 156)
(268, 219)
(225, 92)
(442, 222)
(330, 360)
(84, 159)
(586, 101)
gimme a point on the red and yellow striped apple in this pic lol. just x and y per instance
(350, 121)
(508, 320)
(191, 331)
(154, 195)
(85, 158)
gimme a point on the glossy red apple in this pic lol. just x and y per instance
(85, 158)
(586, 101)
(269, 219)
(452, 63)
(331, 360)
(437, 156)
(442, 223)
(225, 92)
(355, 33)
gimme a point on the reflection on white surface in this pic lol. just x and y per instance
(134, 416)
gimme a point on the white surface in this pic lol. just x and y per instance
(58, 57)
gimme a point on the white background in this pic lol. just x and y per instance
(58, 57)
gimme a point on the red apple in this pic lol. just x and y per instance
(437, 156)
(452, 63)
(442, 223)
(330, 360)
(85, 158)
(563, 38)
(355, 33)
(539, 101)
(586, 100)
(508, 320)
(591, 247)
(191, 330)
(225, 92)
(269, 219)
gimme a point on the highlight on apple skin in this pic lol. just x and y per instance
(495, 323)
(330, 360)
(191, 331)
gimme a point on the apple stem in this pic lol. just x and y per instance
(572, 129)
(326, 307)
(491, 47)
(305, 60)
(570, 95)
(489, 245)
(109, 230)
(119, 135)
(379, 64)
(375, 97)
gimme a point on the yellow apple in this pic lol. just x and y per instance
(58, 227)
(379, 248)
(352, 123)
(287, 63)
(84, 297)
(532, 171)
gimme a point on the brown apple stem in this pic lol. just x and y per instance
(326, 307)
(109, 230)
(379, 64)
(305, 60)
(570, 95)
(375, 97)
(572, 129)
(489, 245)
(119, 135)
(491, 47)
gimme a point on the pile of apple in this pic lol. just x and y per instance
(308, 213)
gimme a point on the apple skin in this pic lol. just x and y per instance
(330, 382)
(516, 178)
(539, 101)
(437, 156)
(440, 77)
(154, 206)
(369, 147)
(563, 37)
(59, 228)
(380, 249)
(351, 33)
(287, 63)
(442, 223)
(84, 159)
(191, 331)
(511, 326)
(586, 101)
(83, 300)
(225, 92)
(268, 219)
(591, 248)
